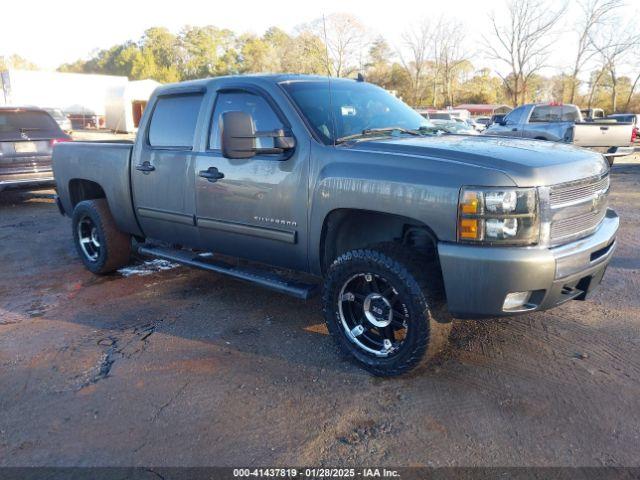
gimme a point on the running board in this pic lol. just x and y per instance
(248, 274)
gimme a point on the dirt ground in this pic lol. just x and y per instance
(186, 368)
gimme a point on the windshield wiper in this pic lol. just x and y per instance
(377, 131)
(433, 130)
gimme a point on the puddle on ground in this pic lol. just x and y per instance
(147, 268)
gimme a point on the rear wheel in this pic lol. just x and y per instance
(101, 246)
(385, 307)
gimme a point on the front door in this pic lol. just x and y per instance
(256, 208)
(162, 170)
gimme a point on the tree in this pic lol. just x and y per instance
(614, 44)
(257, 55)
(450, 55)
(481, 88)
(378, 67)
(523, 42)
(345, 39)
(594, 14)
(635, 83)
(208, 51)
(17, 62)
(418, 41)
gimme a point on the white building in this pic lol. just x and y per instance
(125, 104)
(86, 98)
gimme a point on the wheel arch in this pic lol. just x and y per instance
(81, 189)
(346, 229)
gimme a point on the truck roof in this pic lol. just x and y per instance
(257, 78)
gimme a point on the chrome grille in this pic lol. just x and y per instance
(571, 193)
(577, 208)
(570, 226)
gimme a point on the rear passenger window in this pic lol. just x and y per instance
(174, 119)
(264, 117)
(554, 113)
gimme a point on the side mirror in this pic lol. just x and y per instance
(238, 137)
(502, 123)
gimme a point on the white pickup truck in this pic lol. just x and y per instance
(564, 123)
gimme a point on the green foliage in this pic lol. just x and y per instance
(17, 62)
(207, 51)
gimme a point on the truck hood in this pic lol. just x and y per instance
(526, 162)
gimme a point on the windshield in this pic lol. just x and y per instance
(351, 108)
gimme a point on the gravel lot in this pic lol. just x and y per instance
(182, 367)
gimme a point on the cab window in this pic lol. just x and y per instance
(554, 113)
(264, 118)
(174, 119)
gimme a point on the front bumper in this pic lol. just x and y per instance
(477, 279)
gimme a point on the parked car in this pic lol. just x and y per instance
(457, 126)
(486, 121)
(589, 114)
(633, 118)
(27, 136)
(477, 126)
(497, 118)
(442, 116)
(61, 119)
(447, 123)
(564, 123)
(339, 180)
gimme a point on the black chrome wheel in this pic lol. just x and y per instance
(373, 315)
(101, 246)
(88, 238)
(384, 307)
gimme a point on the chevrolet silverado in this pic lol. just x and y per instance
(338, 183)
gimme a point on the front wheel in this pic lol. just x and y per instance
(385, 307)
(101, 246)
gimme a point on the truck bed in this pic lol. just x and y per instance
(602, 134)
(107, 164)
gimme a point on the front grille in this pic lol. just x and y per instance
(569, 227)
(577, 208)
(564, 194)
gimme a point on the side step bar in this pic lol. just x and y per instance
(248, 274)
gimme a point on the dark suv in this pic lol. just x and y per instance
(27, 137)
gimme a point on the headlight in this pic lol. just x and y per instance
(498, 215)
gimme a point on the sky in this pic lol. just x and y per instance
(51, 33)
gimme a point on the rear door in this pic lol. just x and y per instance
(162, 169)
(26, 140)
(258, 209)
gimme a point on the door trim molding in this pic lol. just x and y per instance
(244, 229)
(165, 215)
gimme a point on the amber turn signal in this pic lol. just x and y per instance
(469, 229)
(470, 202)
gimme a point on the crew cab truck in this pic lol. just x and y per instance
(564, 123)
(340, 181)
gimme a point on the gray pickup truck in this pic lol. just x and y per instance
(339, 183)
(564, 123)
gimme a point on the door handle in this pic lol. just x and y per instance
(514, 129)
(211, 174)
(145, 167)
